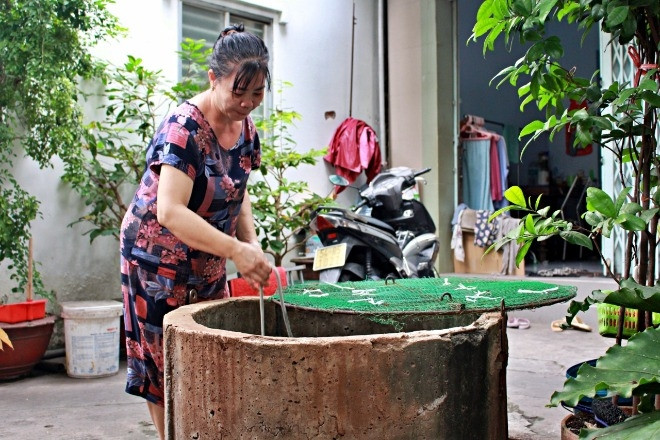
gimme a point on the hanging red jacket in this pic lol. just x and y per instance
(354, 148)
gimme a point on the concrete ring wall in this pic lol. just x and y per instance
(341, 376)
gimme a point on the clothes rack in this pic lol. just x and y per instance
(478, 120)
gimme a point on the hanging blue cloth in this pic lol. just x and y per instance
(504, 172)
(476, 174)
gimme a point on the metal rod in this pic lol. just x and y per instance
(29, 272)
(280, 293)
(261, 310)
(350, 101)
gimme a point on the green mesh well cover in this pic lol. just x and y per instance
(425, 295)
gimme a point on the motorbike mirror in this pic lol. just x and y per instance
(338, 180)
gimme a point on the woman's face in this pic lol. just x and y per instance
(237, 105)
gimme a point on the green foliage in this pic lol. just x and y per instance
(641, 426)
(537, 225)
(614, 375)
(612, 113)
(622, 118)
(133, 97)
(45, 51)
(282, 207)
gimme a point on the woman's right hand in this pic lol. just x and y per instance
(251, 263)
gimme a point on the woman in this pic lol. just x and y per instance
(191, 211)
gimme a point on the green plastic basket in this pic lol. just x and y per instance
(608, 320)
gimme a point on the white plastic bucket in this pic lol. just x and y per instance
(91, 337)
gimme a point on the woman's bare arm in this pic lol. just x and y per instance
(174, 190)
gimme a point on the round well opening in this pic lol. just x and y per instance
(243, 317)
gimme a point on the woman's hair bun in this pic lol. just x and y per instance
(233, 29)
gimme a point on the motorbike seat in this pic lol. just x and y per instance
(377, 223)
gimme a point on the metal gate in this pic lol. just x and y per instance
(616, 66)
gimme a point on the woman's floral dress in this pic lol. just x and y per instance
(157, 269)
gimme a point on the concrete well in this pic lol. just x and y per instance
(341, 376)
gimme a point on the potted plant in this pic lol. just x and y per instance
(282, 207)
(27, 324)
(45, 52)
(622, 118)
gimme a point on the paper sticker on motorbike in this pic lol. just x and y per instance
(330, 256)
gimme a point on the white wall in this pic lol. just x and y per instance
(422, 104)
(312, 50)
(405, 73)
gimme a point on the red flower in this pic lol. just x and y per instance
(246, 163)
(173, 257)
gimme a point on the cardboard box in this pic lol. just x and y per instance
(475, 260)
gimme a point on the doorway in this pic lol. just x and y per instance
(549, 168)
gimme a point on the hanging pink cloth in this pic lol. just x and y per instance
(354, 148)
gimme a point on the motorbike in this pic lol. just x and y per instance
(385, 235)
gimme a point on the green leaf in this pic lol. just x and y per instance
(483, 26)
(599, 200)
(621, 198)
(648, 214)
(544, 8)
(630, 208)
(485, 10)
(629, 222)
(577, 238)
(515, 195)
(642, 426)
(520, 256)
(522, 7)
(543, 212)
(553, 47)
(529, 224)
(633, 295)
(651, 97)
(500, 212)
(538, 201)
(531, 128)
(614, 371)
(617, 16)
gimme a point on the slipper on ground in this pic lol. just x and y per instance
(558, 325)
(579, 324)
(521, 323)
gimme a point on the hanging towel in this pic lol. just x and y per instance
(504, 172)
(485, 232)
(457, 238)
(495, 175)
(354, 148)
(510, 134)
(509, 250)
(457, 233)
(476, 174)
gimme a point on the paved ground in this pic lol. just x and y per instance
(52, 406)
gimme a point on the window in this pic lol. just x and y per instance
(205, 20)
